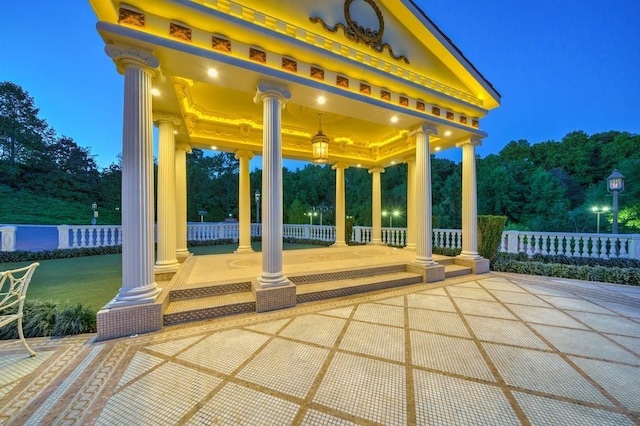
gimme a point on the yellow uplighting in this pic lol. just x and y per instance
(213, 73)
(155, 92)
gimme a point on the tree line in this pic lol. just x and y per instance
(546, 186)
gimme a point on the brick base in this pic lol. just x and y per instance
(128, 320)
(272, 298)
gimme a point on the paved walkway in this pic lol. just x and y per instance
(491, 349)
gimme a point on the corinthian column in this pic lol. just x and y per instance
(182, 150)
(340, 205)
(244, 202)
(411, 204)
(376, 206)
(469, 200)
(166, 260)
(273, 98)
(139, 68)
(423, 200)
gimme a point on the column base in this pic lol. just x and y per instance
(243, 249)
(128, 320)
(411, 247)
(182, 254)
(376, 243)
(138, 296)
(272, 298)
(339, 244)
(430, 272)
(477, 263)
(164, 272)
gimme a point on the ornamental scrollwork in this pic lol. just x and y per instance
(360, 34)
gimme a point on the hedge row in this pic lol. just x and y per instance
(30, 256)
(576, 261)
(629, 276)
(43, 318)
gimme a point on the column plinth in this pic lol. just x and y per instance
(340, 205)
(244, 203)
(376, 206)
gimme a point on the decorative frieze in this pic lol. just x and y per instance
(420, 106)
(404, 101)
(342, 81)
(450, 115)
(317, 73)
(258, 55)
(289, 64)
(463, 119)
(180, 32)
(435, 111)
(385, 95)
(365, 89)
(130, 17)
(221, 44)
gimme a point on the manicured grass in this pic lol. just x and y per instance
(95, 280)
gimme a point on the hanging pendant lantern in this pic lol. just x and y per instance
(320, 145)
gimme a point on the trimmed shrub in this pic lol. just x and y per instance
(38, 320)
(446, 251)
(490, 235)
(74, 319)
(348, 229)
(30, 256)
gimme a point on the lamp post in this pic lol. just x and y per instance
(598, 211)
(257, 197)
(395, 213)
(94, 217)
(615, 184)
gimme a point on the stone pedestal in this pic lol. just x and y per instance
(430, 273)
(478, 265)
(273, 298)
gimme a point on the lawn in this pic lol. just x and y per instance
(94, 280)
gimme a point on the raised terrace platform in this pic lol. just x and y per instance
(216, 285)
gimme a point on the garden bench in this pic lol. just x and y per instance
(13, 291)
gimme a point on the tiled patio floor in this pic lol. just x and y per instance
(490, 349)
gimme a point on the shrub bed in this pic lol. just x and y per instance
(30, 256)
(43, 318)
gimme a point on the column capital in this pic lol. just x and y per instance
(244, 153)
(268, 89)
(411, 159)
(376, 170)
(125, 56)
(424, 129)
(163, 117)
(470, 141)
(340, 165)
(182, 146)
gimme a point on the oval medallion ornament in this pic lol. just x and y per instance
(354, 31)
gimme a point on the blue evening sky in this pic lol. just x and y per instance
(560, 65)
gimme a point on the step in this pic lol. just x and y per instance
(349, 286)
(345, 274)
(210, 289)
(208, 307)
(452, 270)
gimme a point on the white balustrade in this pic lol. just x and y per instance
(87, 236)
(8, 238)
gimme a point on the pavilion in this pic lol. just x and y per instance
(259, 78)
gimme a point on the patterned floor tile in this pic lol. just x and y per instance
(271, 327)
(426, 301)
(449, 354)
(545, 290)
(632, 343)
(501, 285)
(434, 292)
(237, 405)
(376, 340)
(318, 329)
(395, 301)
(585, 343)
(18, 365)
(505, 331)
(549, 316)
(140, 364)
(483, 308)
(609, 323)
(285, 366)
(316, 418)
(470, 293)
(545, 411)
(225, 351)
(344, 312)
(625, 310)
(442, 400)
(470, 284)
(621, 381)
(573, 304)
(543, 372)
(172, 347)
(160, 398)
(366, 388)
(437, 322)
(380, 314)
(519, 298)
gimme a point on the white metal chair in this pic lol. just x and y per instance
(13, 291)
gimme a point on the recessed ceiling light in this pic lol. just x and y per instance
(447, 133)
(438, 148)
(358, 165)
(214, 147)
(321, 100)
(175, 132)
(212, 72)
(155, 92)
(393, 163)
(394, 119)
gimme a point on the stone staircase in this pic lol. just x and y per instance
(212, 300)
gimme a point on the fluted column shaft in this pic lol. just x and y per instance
(340, 205)
(166, 260)
(411, 204)
(424, 231)
(469, 200)
(181, 200)
(273, 97)
(376, 206)
(244, 203)
(138, 284)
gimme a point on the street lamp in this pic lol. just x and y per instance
(257, 196)
(94, 218)
(598, 211)
(395, 213)
(311, 215)
(615, 184)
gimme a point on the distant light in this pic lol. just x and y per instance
(447, 133)
(321, 100)
(212, 72)
(394, 119)
(155, 92)
(438, 148)
(214, 147)
(175, 132)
